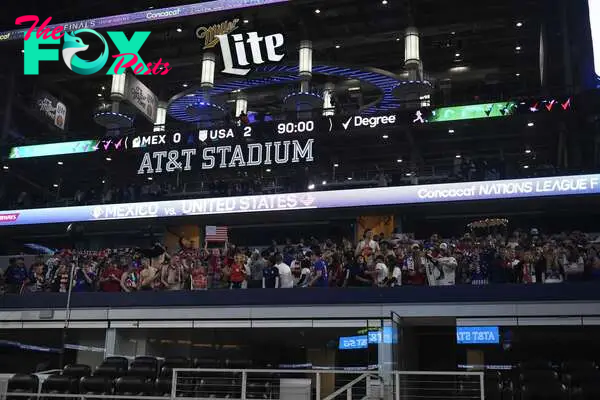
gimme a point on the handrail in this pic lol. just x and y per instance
(348, 386)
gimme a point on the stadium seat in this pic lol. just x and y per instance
(535, 365)
(163, 386)
(111, 371)
(578, 365)
(552, 390)
(146, 371)
(122, 361)
(145, 360)
(173, 363)
(133, 386)
(96, 385)
(538, 376)
(77, 371)
(60, 384)
(22, 383)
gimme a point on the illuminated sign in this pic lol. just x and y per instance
(477, 335)
(372, 337)
(353, 342)
(53, 149)
(474, 111)
(253, 40)
(369, 122)
(158, 14)
(247, 155)
(384, 196)
(594, 7)
(211, 34)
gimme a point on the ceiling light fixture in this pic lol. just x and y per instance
(384, 2)
(5, 167)
(103, 87)
(317, 11)
(99, 94)
(324, 183)
(349, 178)
(519, 24)
(530, 124)
(149, 178)
(337, 46)
(527, 151)
(517, 74)
(311, 186)
(179, 30)
(385, 136)
(458, 156)
(185, 85)
(108, 159)
(336, 165)
(399, 160)
(450, 130)
(457, 55)
(518, 48)
(60, 163)
(268, 170)
(246, 21)
(526, 166)
(55, 185)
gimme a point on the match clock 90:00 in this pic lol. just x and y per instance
(296, 127)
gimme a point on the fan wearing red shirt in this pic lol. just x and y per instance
(110, 280)
(237, 274)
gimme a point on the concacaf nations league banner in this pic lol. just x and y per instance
(449, 192)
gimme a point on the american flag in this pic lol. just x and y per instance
(216, 233)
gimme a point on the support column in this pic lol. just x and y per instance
(328, 107)
(385, 357)
(110, 342)
(161, 117)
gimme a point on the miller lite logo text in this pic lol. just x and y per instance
(262, 49)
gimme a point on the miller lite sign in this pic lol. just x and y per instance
(237, 58)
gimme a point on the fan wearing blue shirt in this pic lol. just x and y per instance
(320, 270)
(270, 275)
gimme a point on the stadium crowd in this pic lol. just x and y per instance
(524, 257)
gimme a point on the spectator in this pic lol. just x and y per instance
(356, 275)
(367, 246)
(130, 279)
(60, 282)
(237, 272)
(256, 270)
(149, 276)
(172, 275)
(16, 275)
(199, 278)
(37, 281)
(84, 279)
(110, 280)
(270, 276)
(319, 278)
(285, 272)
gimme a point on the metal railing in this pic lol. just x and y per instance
(245, 384)
(271, 384)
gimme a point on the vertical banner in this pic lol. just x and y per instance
(50, 109)
(142, 98)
